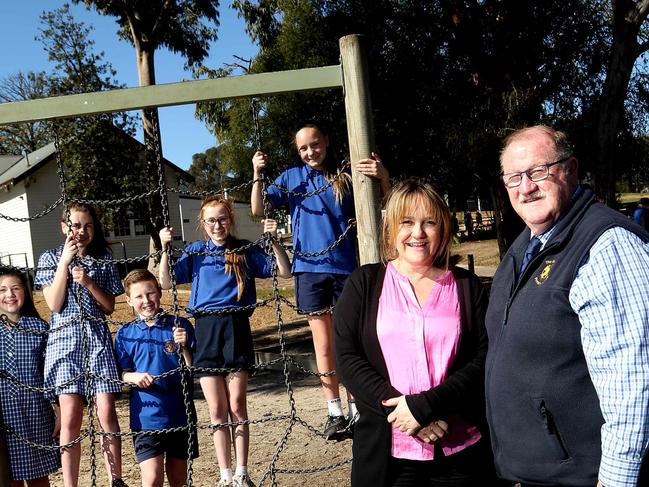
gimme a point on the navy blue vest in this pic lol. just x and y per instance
(542, 407)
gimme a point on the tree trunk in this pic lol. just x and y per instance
(153, 143)
(628, 17)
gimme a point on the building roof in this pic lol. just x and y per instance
(7, 161)
(25, 165)
(14, 168)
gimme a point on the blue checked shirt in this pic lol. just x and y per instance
(610, 294)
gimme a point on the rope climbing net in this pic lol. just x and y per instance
(84, 319)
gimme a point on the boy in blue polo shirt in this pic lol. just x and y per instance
(145, 349)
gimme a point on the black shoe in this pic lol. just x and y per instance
(118, 483)
(334, 428)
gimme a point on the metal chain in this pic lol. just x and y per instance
(47, 210)
(350, 224)
(85, 320)
(183, 369)
(316, 191)
(204, 194)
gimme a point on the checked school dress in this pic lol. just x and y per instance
(64, 356)
(27, 413)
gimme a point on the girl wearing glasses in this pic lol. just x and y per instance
(223, 281)
(80, 292)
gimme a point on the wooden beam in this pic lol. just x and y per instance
(171, 94)
(360, 131)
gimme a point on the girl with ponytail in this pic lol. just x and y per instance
(224, 281)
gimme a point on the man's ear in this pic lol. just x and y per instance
(572, 166)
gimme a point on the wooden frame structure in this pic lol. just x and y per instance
(351, 75)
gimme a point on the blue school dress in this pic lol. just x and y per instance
(27, 413)
(64, 356)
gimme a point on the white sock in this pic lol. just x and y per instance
(241, 470)
(335, 407)
(226, 474)
(353, 410)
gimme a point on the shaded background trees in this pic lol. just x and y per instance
(449, 80)
(185, 27)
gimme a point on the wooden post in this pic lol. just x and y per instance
(360, 131)
(5, 479)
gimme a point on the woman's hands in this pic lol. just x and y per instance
(403, 420)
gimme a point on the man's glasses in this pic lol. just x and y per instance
(535, 174)
(210, 222)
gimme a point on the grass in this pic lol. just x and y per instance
(626, 198)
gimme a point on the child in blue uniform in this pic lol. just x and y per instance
(72, 282)
(28, 414)
(318, 221)
(146, 348)
(223, 341)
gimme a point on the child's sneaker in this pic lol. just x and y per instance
(224, 483)
(334, 427)
(242, 481)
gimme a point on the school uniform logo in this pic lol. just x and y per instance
(170, 346)
(545, 272)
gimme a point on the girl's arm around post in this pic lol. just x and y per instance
(283, 264)
(374, 168)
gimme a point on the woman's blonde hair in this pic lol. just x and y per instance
(413, 193)
(331, 170)
(234, 261)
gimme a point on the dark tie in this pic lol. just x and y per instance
(532, 249)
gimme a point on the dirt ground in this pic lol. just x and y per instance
(268, 396)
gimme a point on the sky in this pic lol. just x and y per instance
(182, 134)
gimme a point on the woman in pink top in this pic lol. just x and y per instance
(410, 345)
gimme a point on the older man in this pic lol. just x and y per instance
(567, 378)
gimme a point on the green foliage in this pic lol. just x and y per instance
(101, 159)
(448, 79)
(206, 169)
(185, 27)
(28, 136)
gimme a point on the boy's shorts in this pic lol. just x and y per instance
(317, 291)
(174, 445)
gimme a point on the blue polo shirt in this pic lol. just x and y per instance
(144, 348)
(317, 221)
(212, 287)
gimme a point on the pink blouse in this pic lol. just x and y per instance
(419, 344)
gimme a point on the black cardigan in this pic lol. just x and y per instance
(360, 366)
